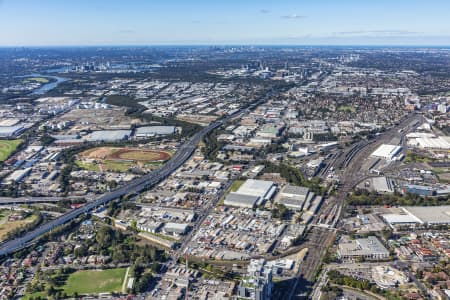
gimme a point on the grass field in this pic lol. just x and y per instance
(89, 282)
(233, 188)
(87, 165)
(412, 157)
(6, 226)
(7, 147)
(37, 79)
(117, 166)
(347, 108)
(236, 185)
(35, 295)
(95, 281)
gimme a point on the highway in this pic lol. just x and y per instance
(135, 186)
(29, 200)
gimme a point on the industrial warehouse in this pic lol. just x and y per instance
(418, 216)
(428, 141)
(388, 152)
(251, 193)
(151, 131)
(294, 197)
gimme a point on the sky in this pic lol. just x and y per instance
(224, 22)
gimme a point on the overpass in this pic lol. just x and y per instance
(29, 200)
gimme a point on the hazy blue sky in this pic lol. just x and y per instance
(147, 22)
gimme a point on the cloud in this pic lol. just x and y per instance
(264, 11)
(377, 33)
(293, 17)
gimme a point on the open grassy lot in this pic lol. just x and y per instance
(412, 157)
(89, 166)
(7, 226)
(233, 188)
(7, 147)
(347, 108)
(106, 165)
(95, 281)
(35, 295)
(37, 79)
(236, 185)
(4, 214)
(117, 166)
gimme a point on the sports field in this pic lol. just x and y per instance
(95, 281)
(130, 154)
(120, 159)
(140, 155)
(89, 282)
(7, 147)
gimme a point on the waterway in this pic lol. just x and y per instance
(47, 86)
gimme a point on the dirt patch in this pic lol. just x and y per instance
(98, 153)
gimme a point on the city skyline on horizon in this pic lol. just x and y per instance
(290, 23)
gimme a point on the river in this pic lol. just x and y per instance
(48, 86)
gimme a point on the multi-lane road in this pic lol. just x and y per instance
(28, 200)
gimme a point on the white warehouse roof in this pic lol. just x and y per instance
(155, 130)
(8, 131)
(420, 215)
(250, 193)
(400, 219)
(109, 135)
(387, 151)
(430, 214)
(254, 187)
(241, 200)
(433, 143)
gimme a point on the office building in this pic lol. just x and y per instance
(369, 248)
(257, 283)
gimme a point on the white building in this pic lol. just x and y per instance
(257, 283)
(388, 152)
(252, 192)
(108, 135)
(17, 175)
(441, 142)
(369, 248)
(294, 197)
(150, 131)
